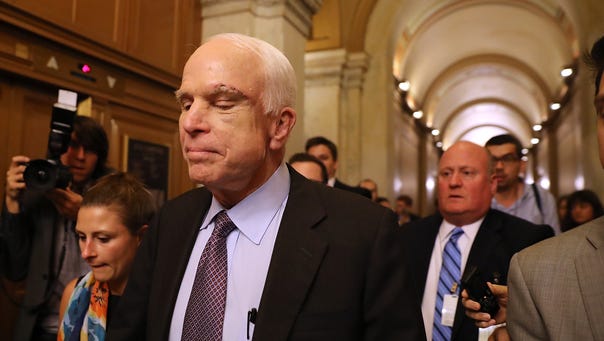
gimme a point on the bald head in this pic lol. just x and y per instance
(465, 183)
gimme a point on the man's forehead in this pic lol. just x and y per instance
(501, 147)
(460, 166)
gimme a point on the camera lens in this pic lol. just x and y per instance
(40, 175)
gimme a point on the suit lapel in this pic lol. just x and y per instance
(422, 251)
(484, 243)
(296, 258)
(590, 280)
(183, 227)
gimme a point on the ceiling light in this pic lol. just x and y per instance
(555, 106)
(566, 72)
(537, 127)
(418, 114)
(435, 132)
(534, 140)
(439, 144)
(404, 86)
(524, 151)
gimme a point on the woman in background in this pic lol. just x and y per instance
(113, 217)
(582, 207)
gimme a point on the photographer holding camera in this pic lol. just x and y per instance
(37, 228)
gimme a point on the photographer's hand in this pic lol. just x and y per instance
(483, 320)
(15, 183)
(66, 201)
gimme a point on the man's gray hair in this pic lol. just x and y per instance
(279, 76)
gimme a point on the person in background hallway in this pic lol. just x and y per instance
(582, 206)
(371, 186)
(260, 252)
(326, 151)
(309, 166)
(112, 219)
(37, 230)
(403, 207)
(562, 205)
(555, 287)
(465, 233)
(513, 196)
(384, 202)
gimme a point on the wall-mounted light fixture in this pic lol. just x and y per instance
(567, 72)
(404, 86)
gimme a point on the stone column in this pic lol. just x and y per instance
(322, 102)
(285, 24)
(334, 80)
(353, 78)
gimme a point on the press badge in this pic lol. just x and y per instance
(448, 311)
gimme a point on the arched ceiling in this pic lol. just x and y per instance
(481, 68)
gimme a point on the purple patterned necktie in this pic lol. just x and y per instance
(205, 311)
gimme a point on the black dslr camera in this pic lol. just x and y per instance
(45, 174)
(479, 291)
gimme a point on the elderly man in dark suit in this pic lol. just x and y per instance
(260, 252)
(465, 233)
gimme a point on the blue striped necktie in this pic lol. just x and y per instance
(448, 283)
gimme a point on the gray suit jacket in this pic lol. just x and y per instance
(556, 287)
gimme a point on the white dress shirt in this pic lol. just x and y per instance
(464, 243)
(249, 250)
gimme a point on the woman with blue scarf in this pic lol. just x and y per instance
(111, 222)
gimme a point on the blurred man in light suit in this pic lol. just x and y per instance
(556, 288)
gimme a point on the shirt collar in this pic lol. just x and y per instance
(446, 228)
(254, 213)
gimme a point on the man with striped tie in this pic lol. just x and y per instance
(466, 232)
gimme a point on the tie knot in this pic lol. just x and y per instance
(223, 225)
(457, 232)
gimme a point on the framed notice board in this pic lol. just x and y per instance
(150, 163)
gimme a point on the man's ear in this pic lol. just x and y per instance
(282, 126)
(141, 232)
(493, 184)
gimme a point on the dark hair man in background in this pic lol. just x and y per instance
(309, 166)
(402, 207)
(326, 151)
(37, 230)
(513, 196)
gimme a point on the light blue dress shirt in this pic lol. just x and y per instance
(249, 251)
(526, 207)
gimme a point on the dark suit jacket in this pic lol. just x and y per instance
(26, 246)
(358, 190)
(499, 237)
(336, 272)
